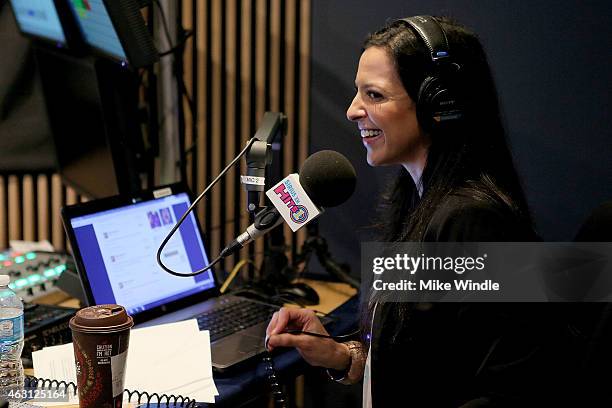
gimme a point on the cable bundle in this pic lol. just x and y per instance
(280, 400)
(133, 396)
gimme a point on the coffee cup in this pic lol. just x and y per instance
(100, 335)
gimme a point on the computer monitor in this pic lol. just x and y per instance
(39, 19)
(92, 107)
(115, 29)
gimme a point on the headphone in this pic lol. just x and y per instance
(437, 104)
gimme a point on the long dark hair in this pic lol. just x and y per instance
(472, 156)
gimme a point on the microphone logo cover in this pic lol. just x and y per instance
(292, 202)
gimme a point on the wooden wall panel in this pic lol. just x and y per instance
(29, 202)
(252, 57)
(289, 96)
(3, 214)
(303, 64)
(201, 90)
(30, 208)
(14, 207)
(215, 142)
(230, 130)
(246, 106)
(190, 136)
(42, 208)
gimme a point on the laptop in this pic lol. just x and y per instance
(115, 241)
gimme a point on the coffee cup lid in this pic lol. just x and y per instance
(101, 318)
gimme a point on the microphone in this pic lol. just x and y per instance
(326, 179)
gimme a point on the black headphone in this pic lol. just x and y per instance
(437, 104)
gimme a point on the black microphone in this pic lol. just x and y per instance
(326, 179)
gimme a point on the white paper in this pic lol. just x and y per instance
(30, 246)
(171, 359)
(57, 363)
(168, 359)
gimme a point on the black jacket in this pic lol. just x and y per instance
(474, 354)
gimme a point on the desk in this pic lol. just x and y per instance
(331, 294)
(246, 385)
(239, 388)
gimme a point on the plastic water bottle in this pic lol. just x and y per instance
(11, 341)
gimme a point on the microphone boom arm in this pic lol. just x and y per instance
(259, 156)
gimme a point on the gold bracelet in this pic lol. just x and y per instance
(354, 372)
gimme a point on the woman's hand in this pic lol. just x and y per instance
(316, 351)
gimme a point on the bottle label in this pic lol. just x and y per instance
(11, 329)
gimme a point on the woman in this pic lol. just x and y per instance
(457, 182)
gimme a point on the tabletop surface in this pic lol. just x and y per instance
(248, 382)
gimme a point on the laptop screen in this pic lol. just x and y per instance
(118, 248)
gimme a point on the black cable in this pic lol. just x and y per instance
(280, 400)
(190, 209)
(179, 46)
(180, 80)
(173, 50)
(301, 305)
(325, 336)
(185, 93)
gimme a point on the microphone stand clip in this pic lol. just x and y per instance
(259, 156)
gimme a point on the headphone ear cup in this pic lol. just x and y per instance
(436, 104)
(424, 108)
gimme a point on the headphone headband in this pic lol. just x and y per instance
(432, 34)
(436, 102)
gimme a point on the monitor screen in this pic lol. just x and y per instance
(92, 107)
(39, 18)
(118, 248)
(97, 27)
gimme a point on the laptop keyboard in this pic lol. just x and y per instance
(233, 316)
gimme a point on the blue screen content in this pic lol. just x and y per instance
(97, 27)
(119, 251)
(39, 18)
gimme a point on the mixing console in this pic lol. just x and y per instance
(34, 274)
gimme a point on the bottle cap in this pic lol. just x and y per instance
(4, 280)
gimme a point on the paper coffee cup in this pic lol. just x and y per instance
(100, 335)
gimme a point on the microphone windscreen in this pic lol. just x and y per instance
(328, 178)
